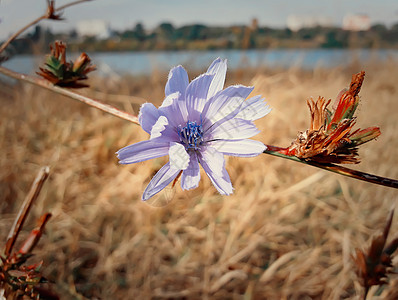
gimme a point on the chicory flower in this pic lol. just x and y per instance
(198, 123)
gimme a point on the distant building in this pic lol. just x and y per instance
(254, 24)
(356, 22)
(94, 28)
(295, 22)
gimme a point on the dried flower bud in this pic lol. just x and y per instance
(330, 138)
(51, 11)
(365, 135)
(347, 101)
(59, 51)
(66, 74)
(374, 265)
(82, 65)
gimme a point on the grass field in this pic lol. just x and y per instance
(287, 232)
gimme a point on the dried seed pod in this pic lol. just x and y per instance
(66, 74)
(374, 265)
(330, 137)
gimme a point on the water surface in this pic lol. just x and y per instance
(145, 63)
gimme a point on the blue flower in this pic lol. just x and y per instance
(198, 123)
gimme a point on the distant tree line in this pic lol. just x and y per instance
(202, 37)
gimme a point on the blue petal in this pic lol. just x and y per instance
(143, 151)
(148, 116)
(213, 158)
(163, 131)
(242, 148)
(219, 69)
(161, 179)
(182, 109)
(234, 129)
(177, 81)
(196, 95)
(253, 109)
(179, 158)
(169, 100)
(174, 109)
(224, 103)
(159, 127)
(213, 163)
(191, 176)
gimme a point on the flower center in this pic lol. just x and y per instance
(191, 135)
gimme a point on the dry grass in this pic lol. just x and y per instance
(287, 232)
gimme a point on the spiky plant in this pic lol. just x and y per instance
(331, 138)
(66, 74)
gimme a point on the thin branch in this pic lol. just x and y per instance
(35, 235)
(70, 4)
(25, 208)
(71, 94)
(273, 150)
(366, 293)
(13, 37)
(45, 16)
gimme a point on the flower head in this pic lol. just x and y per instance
(198, 123)
(330, 138)
(66, 74)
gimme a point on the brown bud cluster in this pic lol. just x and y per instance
(374, 265)
(331, 138)
(66, 74)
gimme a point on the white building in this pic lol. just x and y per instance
(296, 22)
(95, 28)
(356, 22)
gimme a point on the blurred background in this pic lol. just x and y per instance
(289, 230)
(138, 37)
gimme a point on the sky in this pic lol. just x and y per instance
(122, 14)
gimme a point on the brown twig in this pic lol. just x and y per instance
(70, 4)
(45, 16)
(14, 36)
(24, 211)
(35, 235)
(71, 94)
(277, 151)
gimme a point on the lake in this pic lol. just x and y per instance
(145, 63)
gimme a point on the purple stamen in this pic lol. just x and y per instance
(191, 135)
